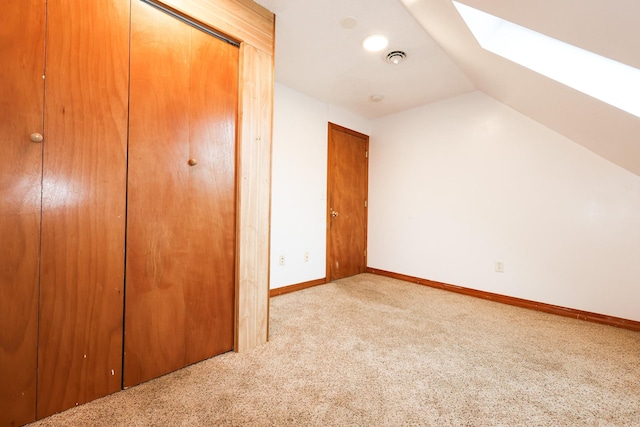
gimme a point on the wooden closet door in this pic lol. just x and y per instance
(181, 196)
(21, 104)
(84, 197)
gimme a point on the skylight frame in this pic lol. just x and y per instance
(600, 77)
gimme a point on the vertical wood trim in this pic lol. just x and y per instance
(254, 186)
(366, 204)
(328, 206)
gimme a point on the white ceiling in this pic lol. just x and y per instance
(317, 56)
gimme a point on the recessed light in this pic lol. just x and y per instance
(376, 98)
(375, 43)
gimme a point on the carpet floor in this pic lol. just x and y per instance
(374, 351)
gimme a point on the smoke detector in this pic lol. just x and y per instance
(396, 56)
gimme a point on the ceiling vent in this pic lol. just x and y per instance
(396, 56)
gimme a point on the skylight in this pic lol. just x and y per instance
(610, 81)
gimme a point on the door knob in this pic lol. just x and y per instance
(192, 162)
(334, 214)
(36, 137)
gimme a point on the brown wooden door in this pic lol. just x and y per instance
(346, 196)
(21, 104)
(83, 205)
(180, 277)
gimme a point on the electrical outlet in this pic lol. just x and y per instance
(306, 257)
(499, 267)
(281, 260)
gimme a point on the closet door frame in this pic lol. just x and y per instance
(253, 27)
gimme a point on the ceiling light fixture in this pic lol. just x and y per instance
(396, 57)
(375, 43)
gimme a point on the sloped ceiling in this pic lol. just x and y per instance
(317, 56)
(611, 29)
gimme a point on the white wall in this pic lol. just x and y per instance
(299, 184)
(457, 185)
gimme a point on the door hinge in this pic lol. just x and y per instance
(365, 252)
(365, 204)
(366, 154)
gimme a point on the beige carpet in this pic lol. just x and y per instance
(373, 351)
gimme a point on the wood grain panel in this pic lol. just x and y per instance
(252, 312)
(212, 196)
(84, 196)
(346, 195)
(618, 322)
(254, 26)
(242, 20)
(181, 217)
(21, 110)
